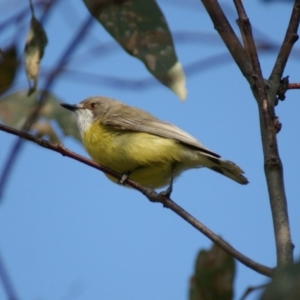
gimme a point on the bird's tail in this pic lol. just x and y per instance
(226, 168)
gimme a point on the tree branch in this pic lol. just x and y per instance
(293, 86)
(151, 194)
(229, 37)
(290, 38)
(272, 162)
(251, 289)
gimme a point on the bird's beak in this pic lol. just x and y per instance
(71, 107)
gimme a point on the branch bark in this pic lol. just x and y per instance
(293, 86)
(290, 38)
(226, 32)
(265, 94)
(151, 194)
(272, 162)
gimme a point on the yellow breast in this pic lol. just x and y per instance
(148, 157)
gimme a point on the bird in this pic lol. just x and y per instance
(141, 147)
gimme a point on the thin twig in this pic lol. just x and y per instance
(229, 37)
(272, 162)
(251, 289)
(6, 282)
(31, 8)
(12, 20)
(290, 38)
(293, 86)
(246, 32)
(151, 195)
(198, 66)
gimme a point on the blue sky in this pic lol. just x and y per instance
(66, 232)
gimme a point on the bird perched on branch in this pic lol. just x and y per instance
(141, 147)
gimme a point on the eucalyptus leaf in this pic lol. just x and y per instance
(8, 67)
(36, 42)
(141, 29)
(15, 109)
(214, 275)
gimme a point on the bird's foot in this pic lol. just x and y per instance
(167, 193)
(124, 177)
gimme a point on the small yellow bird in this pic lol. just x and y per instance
(143, 148)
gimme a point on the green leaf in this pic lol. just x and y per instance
(8, 68)
(140, 28)
(44, 128)
(36, 42)
(64, 118)
(214, 275)
(15, 109)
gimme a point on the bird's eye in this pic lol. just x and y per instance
(93, 105)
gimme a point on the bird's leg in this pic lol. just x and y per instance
(167, 193)
(124, 177)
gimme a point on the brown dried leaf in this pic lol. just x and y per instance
(36, 42)
(8, 67)
(214, 275)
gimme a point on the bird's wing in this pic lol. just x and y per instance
(141, 121)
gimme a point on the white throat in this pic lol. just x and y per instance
(85, 119)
